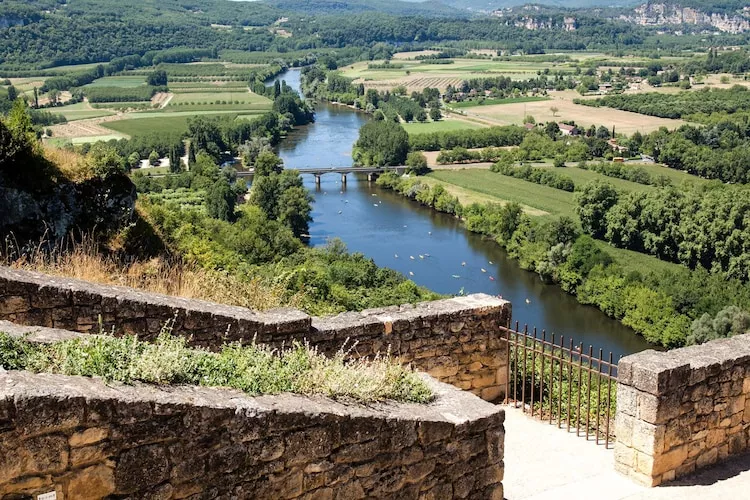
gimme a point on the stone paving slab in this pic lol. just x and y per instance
(543, 462)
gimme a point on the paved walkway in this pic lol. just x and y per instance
(543, 462)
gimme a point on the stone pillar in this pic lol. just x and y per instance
(343, 179)
(372, 176)
(317, 181)
(682, 410)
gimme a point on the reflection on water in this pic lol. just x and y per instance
(431, 248)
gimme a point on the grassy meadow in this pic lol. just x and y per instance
(483, 186)
(438, 126)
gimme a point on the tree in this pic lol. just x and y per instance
(417, 161)
(157, 78)
(36, 98)
(175, 161)
(134, 160)
(267, 163)
(221, 200)
(593, 202)
(728, 322)
(552, 129)
(104, 160)
(559, 161)
(12, 93)
(153, 159)
(554, 110)
(250, 150)
(381, 143)
(435, 114)
(294, 208)
(54, 96)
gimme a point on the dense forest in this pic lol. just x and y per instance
(46, 33)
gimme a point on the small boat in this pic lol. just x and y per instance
(528, 301)
(463, 263)
(483, 269)
(492, 278)
(426, 255)
(346, 201)
(429, 232)
(421, 256)
(411, 257)
(455, 276)
(395, 256)
(374, 204)
(404, 225)
(373, 194)
(411, 273)
(490, 262)
(340, 211)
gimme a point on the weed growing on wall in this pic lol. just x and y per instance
(255, 369)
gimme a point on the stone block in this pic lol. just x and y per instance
(87, 455)
(129, 475)
(88, 436)
(708, 457)
(624, 456)
(670, 460)
(627, 399)
(91, 483)
(14, 304)
(431, 432)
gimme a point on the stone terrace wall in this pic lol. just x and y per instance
(682, 410)
(86, 439)
(457, 341)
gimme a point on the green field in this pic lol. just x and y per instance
(550, 200)
(489, 102)
(161, 124)
(118, 81)
(205, 86)
(439, 126)
(553, 201)
(79, 111)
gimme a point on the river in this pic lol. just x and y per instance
(431, 248)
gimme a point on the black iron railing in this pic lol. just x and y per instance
(554, 379)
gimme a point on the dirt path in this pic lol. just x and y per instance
(162, 99)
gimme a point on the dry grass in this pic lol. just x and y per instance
(70, 164)
(624, 121)
(82, 260)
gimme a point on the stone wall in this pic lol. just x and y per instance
(682, 410)
(457, 341)
(85, 439)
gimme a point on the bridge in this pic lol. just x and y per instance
(372, 172)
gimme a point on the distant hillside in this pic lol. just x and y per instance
(397, 7)
(490, 5)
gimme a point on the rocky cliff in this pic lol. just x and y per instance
(56, 209)
(657, 14)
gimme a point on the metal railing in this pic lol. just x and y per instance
(556, 380)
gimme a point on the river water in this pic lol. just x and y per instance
(431, 248)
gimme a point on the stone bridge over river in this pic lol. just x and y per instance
(372, 172)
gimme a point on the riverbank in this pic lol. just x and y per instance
(558, 253)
